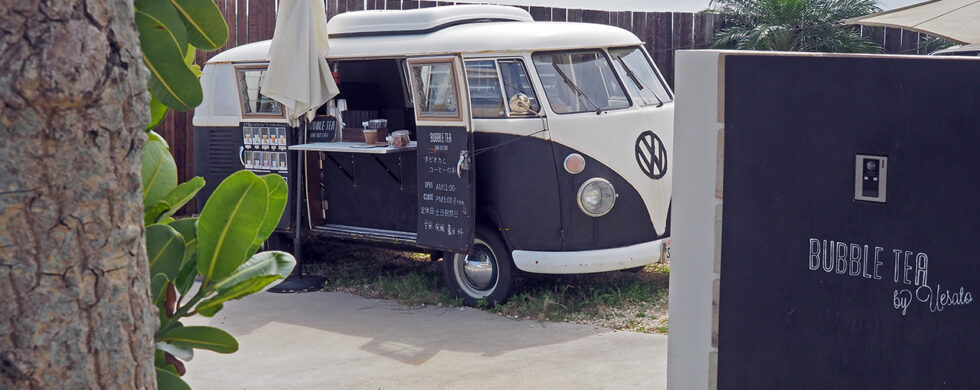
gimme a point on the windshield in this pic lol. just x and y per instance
(639, 76)
(579, 81)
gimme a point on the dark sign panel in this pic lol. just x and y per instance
(825, 282)
(445, 189)
(323, 128)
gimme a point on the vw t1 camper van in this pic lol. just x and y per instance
(542, 147)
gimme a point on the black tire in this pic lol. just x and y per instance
(492, 270)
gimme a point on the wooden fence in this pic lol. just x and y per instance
(662, 32)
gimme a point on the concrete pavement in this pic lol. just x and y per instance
(339, 341)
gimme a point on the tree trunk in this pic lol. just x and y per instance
(75, 306)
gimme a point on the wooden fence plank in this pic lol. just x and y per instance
(704, 28)
(593, 16)
(228, 10)
(874, 34)
(910, 42)
(238, 32)
(541, 14)
(659, 32)
(625, 20)
(262, 15)
(893, 40)
(331, 9)
(559, 14)
(683, 35)
(639, 28)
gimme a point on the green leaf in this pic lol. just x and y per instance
(210, 310)
(163, 17)
(158, 288)
(229, 224)
(159, 171)
(182, 194)
(203, 337)
(210, 306)
(171, 81)
(186, 276)
(189, 57)
(158, 111)
(164, 249)
(154, 213)
(278, 195)
(181, 352)
(262, 264)
(187, 227)
(206, 27)
(160, 362)
(167, 380)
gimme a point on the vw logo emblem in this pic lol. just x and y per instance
(651, 155)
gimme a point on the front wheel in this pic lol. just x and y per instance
(486, 273)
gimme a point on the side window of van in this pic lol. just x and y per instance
(436, 93)
(637, 73)
(485, 78)
(486, 100)
(515, 81)
(254, 103)
(579, 81)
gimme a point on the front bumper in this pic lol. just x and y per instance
(599, 260)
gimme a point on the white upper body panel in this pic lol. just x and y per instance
(387, 22)
(465, 38)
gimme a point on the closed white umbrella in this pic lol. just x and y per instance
(298, 75)
(956, 20)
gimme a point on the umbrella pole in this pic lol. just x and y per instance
(297, 282)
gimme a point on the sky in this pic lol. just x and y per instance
(652, 5)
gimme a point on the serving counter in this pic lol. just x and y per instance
(355, 189)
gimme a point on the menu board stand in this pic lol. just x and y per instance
(446, 193)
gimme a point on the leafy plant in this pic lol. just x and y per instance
(792, 25)
(170, 32)
(931, 44)
(220, 247)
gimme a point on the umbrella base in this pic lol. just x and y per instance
(299, 284)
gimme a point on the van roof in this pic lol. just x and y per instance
(388, 22)
(474, 35)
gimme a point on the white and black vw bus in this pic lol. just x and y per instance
(543, 147)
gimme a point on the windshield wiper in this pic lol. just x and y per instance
(598, 110)
(636, 80)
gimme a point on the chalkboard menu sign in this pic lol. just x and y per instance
(323, 128)
(445, 188)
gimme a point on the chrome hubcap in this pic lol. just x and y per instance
(478, 270)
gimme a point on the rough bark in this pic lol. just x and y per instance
(75, 306)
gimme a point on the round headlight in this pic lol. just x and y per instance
(596, 197)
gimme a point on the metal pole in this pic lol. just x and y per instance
(297, 241)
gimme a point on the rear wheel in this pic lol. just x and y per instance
(486, 273)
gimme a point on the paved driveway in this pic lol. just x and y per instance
(339, 341)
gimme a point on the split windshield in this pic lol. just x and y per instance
(639, 76)
(579, 81)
